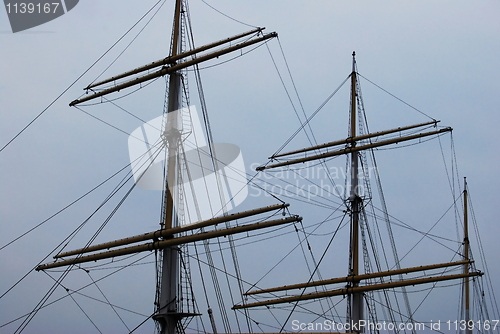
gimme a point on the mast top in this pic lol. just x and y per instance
(353, 61)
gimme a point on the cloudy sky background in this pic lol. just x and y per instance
(439, 56)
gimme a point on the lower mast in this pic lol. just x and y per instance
(167, 315)
(355, 308)
(169, 312)
(466, 258)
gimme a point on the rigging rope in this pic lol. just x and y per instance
(397, 98)
(131, 42)
(109, 124)
(482, 255)
(63, 209)
(312, 275)
(432, 227)
(311, 117)
(229, 17)
(320, 277)
(107, 300)
(64, 241)
(322, 161)
(246, 282)
(75, 291)
(296, 93)
(81, 309)
(78, 79)
(68, 269)
(363, 118)
(73, 298)
(219, 186)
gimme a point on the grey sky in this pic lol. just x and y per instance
(439, 56)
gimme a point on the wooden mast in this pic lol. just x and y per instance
(466, 258)
(353, 290)
(167, 314)
(168, 238)
(356, 299)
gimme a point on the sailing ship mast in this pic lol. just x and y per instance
(168, 314)
(353, 290)
(356, 299)
(466, 257)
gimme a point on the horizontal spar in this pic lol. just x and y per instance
(172, 59)
(172, 69)
(170, 232)
(354, 139)
(358, 278)
(353, 149)
(359, 289)
(169, 242)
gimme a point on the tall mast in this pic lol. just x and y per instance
(466, 258)
(356, 312)
(354, 289)
(168, 308)
(167, 314)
